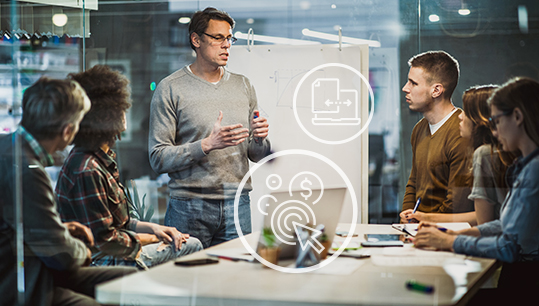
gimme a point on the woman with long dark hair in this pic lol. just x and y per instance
(512, 239)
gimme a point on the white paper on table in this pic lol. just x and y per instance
(407, 229)
(235, 253)
(339, 266)
(412, 227)
(415, 257)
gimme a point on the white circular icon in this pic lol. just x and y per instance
(274, 182)
(333, 105)
(299, 212)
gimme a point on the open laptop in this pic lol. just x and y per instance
(285, 211)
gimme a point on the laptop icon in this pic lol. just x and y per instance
(286, 211)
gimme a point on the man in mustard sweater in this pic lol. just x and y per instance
(438, 176)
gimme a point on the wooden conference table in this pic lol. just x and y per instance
(246, 283)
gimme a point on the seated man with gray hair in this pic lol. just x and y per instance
(54, 252)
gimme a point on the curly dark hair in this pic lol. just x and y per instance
(110, 96)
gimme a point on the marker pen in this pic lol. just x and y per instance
(413, 285)
(227, 258)
(256, 115)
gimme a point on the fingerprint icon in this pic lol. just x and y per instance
(288, 213)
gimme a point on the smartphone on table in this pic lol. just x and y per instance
(196, 261)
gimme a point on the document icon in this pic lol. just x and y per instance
(332, 105)
(323, 92)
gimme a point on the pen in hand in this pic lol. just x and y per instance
(443, 229)
(256, 115)
(415, 208)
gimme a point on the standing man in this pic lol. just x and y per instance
(438, 176)
(53, 252)
(204, 129)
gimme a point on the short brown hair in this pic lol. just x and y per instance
(440, 67)
(108, 90)
(49, 105)
(201, 19)
(521, 92)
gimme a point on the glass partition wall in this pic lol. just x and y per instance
(493, 40)
(147, 40)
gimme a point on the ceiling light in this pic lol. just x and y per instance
(345, 39)
(434, 18)
(305, 5)
(523, 19)
(333, 6)
(250, 21)
(59, 20)
(275, 40)
(184, 20)
(464, 12)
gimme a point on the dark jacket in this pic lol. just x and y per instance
(48, 245)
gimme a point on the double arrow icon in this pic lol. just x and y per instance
(347, 102)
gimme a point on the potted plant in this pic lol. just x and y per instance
(138, 209)
(269, 249)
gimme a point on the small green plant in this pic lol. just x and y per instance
(323, 237)
(138, 209)
(269, 237)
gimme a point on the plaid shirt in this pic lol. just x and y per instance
(43, 156)
(89, 192)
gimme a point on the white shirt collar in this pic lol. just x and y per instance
(435, 127)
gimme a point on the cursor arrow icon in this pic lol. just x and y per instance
(311, 240)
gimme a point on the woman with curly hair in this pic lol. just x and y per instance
(89, 190)
(489, 163)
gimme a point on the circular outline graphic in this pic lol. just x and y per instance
(348, 185)
(260, 200)
(371, 112)
(288, 208)
(280, 181)
(310, 173)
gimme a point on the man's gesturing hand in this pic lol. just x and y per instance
(224, 136)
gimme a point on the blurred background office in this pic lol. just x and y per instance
(148, 39)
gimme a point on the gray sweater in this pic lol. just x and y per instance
(183, 111)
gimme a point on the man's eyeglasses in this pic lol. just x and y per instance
(492, 120)
(220, 39)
